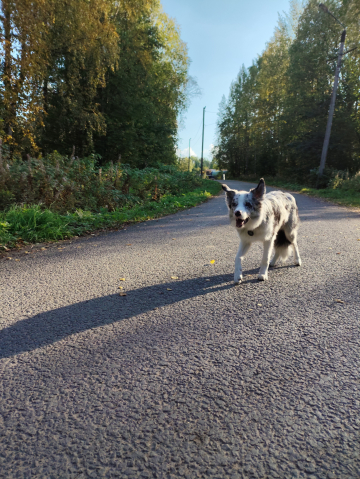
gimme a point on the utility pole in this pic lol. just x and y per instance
(202, 147)
(333, 96)
(189, 153)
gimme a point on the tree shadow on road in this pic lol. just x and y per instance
(47, 328)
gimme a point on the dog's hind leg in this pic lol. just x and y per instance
(243, 249)
(296, 254)
(263, 273)
(275, 258)
(291, 236)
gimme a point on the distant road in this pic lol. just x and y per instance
(190, 377)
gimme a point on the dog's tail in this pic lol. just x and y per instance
(282, 245)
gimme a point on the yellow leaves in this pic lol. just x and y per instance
(43, 249)
(169, 289)
(212, 261)
(120, 287)
(121, 279)
(259, 305)
(339, 301)
(122, 294)
(174, 277)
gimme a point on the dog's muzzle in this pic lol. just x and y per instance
(239, 221)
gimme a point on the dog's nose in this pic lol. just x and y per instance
(237, 213)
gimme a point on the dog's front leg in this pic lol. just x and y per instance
(263, 273)
(243, 248)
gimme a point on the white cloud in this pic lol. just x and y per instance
(185, 153)
(209, 151)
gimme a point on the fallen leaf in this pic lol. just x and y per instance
(251, 310)
(169, 289)
(212, 261)
(339, 301)
(122, 294)
(338, 253)
(121, 279)
(207, 280)
(259, 304)
(8, 257)
(128, 244)
(17, 260)
(27, 252)
(120, 287)
(174, 277)
(174, 238)
(78, 246)
(43, 249)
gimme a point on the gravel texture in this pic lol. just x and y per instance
(190, 377)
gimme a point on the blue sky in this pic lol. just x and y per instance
(221, 36)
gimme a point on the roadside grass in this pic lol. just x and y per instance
(34, 224)
(344, 197)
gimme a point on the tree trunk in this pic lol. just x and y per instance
(7, 68)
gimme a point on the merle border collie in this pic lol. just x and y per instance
(271, 218)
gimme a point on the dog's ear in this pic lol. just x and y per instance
(260, 190)
(229, 192)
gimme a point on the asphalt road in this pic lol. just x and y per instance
(189, 377)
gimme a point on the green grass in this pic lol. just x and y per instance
(34, 224)
(339, 196)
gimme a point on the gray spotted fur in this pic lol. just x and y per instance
(271, 218)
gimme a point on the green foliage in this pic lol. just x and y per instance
(273, 123)
(64, 184)
(35, 224)
(91, 75)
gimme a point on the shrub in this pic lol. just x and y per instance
(65, 184)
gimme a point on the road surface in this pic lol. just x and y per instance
(190, 377)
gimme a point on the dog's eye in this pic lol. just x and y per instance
(247, 205)
(234, 204)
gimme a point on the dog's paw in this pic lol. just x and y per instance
(238, 279)
(298, 263)
(263, 277)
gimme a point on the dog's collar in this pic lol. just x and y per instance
(250, 233)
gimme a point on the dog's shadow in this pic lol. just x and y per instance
(52, 326)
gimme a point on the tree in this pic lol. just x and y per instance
(275, 118)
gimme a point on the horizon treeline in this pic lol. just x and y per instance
(274, 119)
(91, 76)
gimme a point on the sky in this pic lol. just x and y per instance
(221, 35)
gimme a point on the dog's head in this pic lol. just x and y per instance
(245, 205)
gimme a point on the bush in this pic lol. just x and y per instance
(342, 181)
(335, 179)
(65, 184)
(24, 224)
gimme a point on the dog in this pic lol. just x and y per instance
(272, 218)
